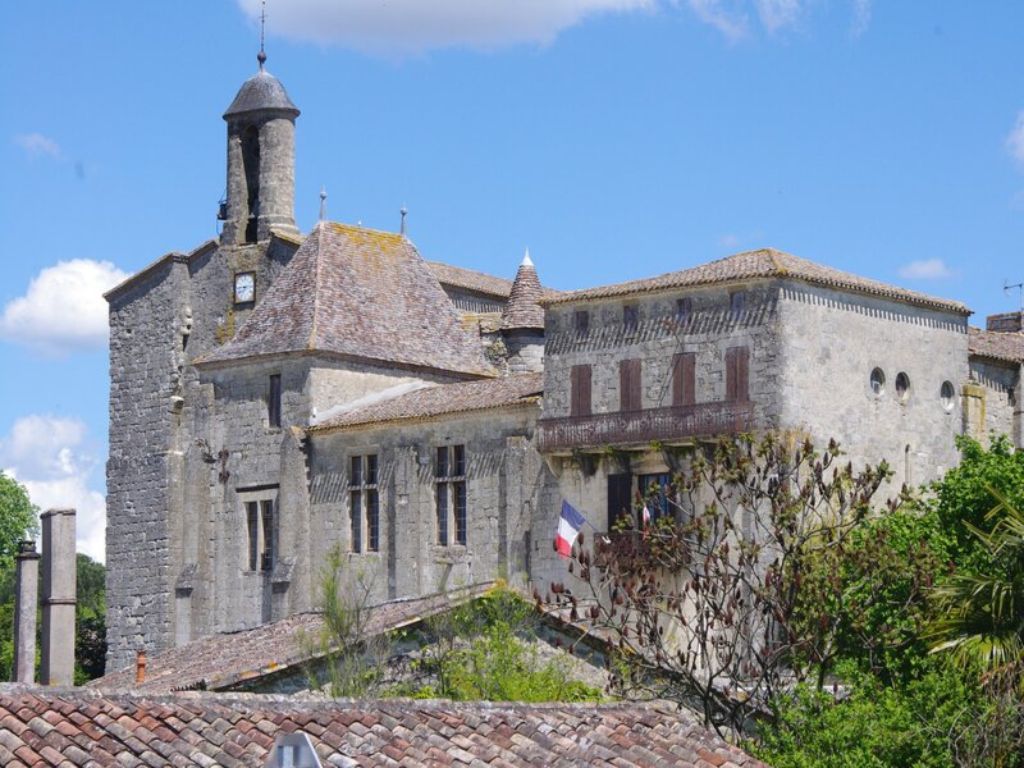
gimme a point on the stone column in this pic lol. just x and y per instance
(973, 395)
(59, 590)
(26, 601)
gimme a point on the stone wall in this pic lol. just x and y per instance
(158, 482)
(503, 475)
(709, 328)
(833, 340)
(143, 462)
(1001, 410)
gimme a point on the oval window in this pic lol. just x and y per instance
(878, 382)
(902, 386)
(948, 395)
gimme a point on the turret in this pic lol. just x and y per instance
(261, 160)
(522, 321)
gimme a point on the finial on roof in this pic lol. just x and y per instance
(261, 57)
(323, 203)
(404, 211)
(527, 261)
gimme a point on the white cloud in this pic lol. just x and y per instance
(776, 14)
(861, 17)
(729, 241)
(36, 144)
(411, 26)
(63, 308)
(730, 22)
(926, 269)
(51, 457)
(1015, 141)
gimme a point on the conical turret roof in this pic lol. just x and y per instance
(523, 309)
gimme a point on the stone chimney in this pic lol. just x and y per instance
(26, 599)
(1008, 322)
(59, 589)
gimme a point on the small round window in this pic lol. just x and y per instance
(902, 386)
(878, 382)
(948, 395)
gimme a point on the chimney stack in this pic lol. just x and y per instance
(59, 589)
(140, 668)
(26, 600)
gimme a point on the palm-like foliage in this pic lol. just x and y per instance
(981, 612)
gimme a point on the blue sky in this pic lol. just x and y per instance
(614, 138)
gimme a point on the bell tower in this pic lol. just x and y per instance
(261, 160)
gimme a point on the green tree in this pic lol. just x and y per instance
(966, 494)
(90, 619)
(19, 518)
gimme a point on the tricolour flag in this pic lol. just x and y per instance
(569, 524)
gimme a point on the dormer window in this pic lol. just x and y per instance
(245, 287)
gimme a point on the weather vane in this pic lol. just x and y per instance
(261, 57)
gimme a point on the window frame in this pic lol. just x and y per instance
(261, 524)
(274, 401)
(364, 503)
(451, 496)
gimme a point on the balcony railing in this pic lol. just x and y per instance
(623, 428)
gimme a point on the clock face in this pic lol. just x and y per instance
(245, 287)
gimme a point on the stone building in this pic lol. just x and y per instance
(275, 396)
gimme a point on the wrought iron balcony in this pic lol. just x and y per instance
(624, 428)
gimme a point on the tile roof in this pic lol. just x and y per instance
(50, 727)
(523, 309)
(764, 263)
(998, 345)
(516, 389)
(362, 293)
(219, 662)
(470, 279)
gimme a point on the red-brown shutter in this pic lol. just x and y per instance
(743, 374)
(629, 385)
(684, 379)
(737, 374)
(580, 387)
(730, 374)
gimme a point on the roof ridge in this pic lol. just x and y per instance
(311, 341)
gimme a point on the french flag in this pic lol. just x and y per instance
(569, 524)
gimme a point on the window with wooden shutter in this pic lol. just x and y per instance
(579, 404)
(631, 317)
(737, 374)
(274, 401)
(620, 489)
(684, 379)
(629, 385)
(582, 322)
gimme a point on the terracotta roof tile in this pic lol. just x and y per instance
(362, 293)
(998, 345)
(216, 662)
(461, 397)
(764, 263)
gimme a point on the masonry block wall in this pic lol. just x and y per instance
(159, 478)
(502, 478)
(831, 343)
(708, 326)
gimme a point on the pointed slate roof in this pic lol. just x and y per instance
(523, 309)
(357, 292)
(766, 263)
